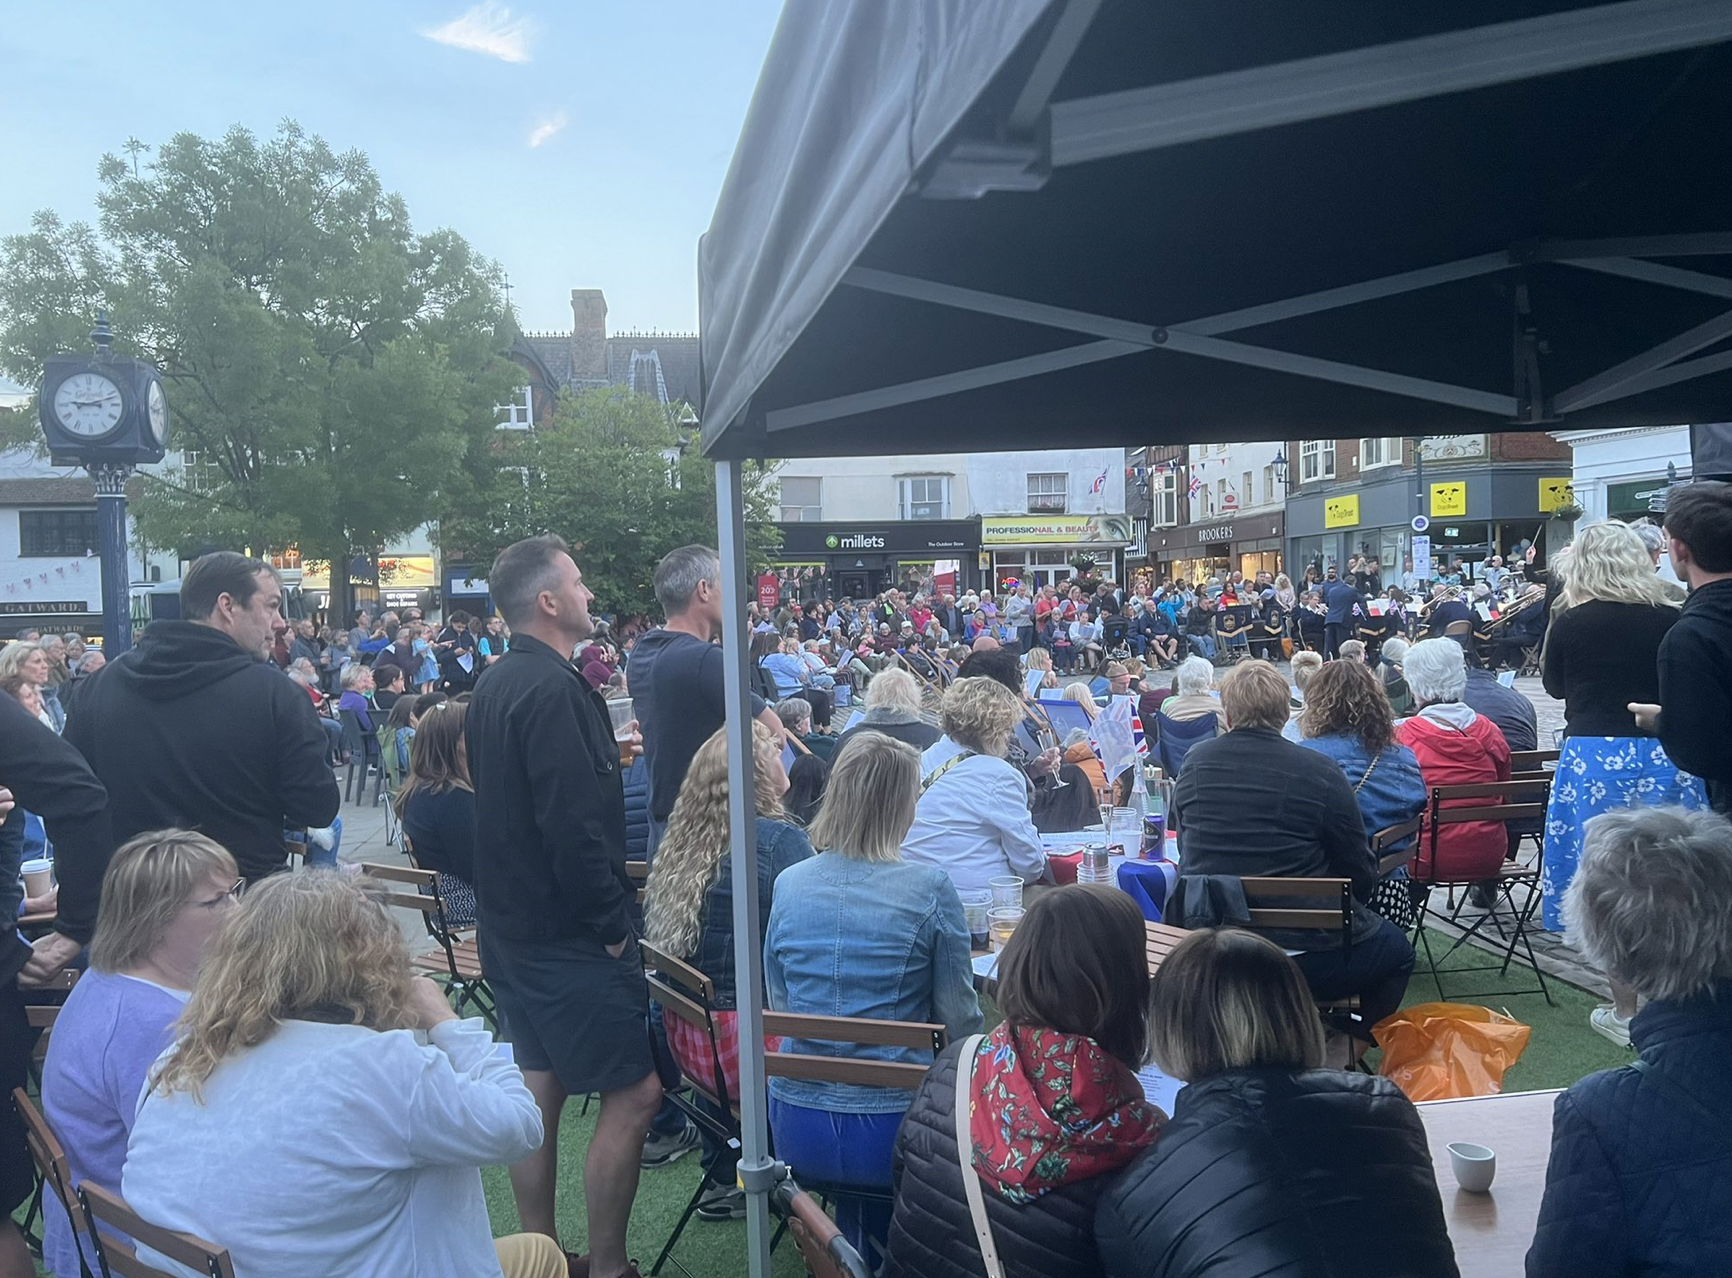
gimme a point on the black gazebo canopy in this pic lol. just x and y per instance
(995, 225)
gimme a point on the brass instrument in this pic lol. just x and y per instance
(1521, 603)
(1449, 593)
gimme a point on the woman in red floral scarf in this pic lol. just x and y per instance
(1054, 1105)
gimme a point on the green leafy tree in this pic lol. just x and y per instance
(609, 474)
(328, 368)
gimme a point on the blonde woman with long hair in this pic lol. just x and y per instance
(1601, 655)
(324, 1111)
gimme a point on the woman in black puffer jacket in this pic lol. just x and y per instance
(1055, 1108)
(1270, 1165)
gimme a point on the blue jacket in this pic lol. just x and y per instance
(786, 670)
(1341, 599)
(1640, 1179)
(883, 940)
(1394, 790)
(780, 844)
(636, 781)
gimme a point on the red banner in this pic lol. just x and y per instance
(769, 590)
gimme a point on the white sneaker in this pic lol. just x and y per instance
(1608, 1024)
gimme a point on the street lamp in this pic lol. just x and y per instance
(1281, 467)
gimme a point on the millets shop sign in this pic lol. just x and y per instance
(854, 541)
(914, 539)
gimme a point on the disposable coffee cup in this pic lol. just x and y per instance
(38, 877)
(1474, 1166)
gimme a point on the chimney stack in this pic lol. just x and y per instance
(588, 335)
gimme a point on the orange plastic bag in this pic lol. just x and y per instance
(1440, 1051)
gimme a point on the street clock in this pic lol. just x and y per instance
(102, 409)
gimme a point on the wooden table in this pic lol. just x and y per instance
(1161, 940)
(1492, 1231)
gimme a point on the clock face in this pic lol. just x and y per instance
(158, 406)
(88, 404)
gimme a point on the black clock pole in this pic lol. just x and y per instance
(111, 547)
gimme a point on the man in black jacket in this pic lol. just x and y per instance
(1696, 654)
(553, 900)
(196, 728)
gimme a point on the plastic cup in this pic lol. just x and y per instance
(1006, 892)
(1474, 1166)
(38, 877)
(1001, 924)
(621, 715)
(976, 904)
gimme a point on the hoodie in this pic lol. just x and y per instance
(1456, 746)
(1696, 689)
(188, 730)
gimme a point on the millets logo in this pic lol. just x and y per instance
(858, 541)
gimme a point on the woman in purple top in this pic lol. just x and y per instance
(357, 685)
(164, 895)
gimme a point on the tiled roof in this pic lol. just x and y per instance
(633, 360)
(554, 352)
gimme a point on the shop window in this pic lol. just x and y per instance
(1381, 450)
(1048, 493)
(925, 496)
(1316, 459)
(56, 534)
(801, 499)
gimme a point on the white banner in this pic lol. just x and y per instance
(1422, 557)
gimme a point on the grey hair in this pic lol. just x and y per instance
(1650, 897)
(1193, 676)
(793, 711)
(1651, 534)
(1436, 670)
(353, 673)
(893, 689)
(680, 573)
(1394, 649)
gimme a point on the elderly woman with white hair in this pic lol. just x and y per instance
(973, 820)
(1640, 1179)
(1454, 746)
(1601, 655)
(894, 708)
(1193, 692)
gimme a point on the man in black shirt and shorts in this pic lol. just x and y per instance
(554, 904)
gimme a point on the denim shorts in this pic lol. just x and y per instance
(568, 1008)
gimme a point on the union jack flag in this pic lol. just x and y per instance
(1099, 484)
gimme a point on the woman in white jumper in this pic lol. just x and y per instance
(323, 1111)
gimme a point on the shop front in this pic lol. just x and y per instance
(1471, 514)
(1042, 550)
(1215, 548)
(857, 561)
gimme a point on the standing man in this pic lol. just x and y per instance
(455, 651)
(553, 901)
(1342, 603)
(195, 728)
(1696, 654)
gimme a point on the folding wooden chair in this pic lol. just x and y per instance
(827, 1254)
(1395, 845)
(54, 1176)
(40, 1016)
(686, 993)
(457, 960)
(105, 1207)
(638, 872)
(1322, 905)
(1501, 801)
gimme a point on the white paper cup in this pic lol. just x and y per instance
(1473, 1165)
(38, 877)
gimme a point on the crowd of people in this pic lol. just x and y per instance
(249, 1057)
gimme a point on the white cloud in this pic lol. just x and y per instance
(548, 127)
(487, 28)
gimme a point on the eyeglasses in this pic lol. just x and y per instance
(233, 894)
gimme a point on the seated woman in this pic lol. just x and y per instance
(357, 683)
(893, 707)
(1389, 671)
(1640, 1180)
(395, 737)
(689, 911)
(1079, 752)
(902, 929)
(973, 818)
(808, 778)
(1269, 1161)
(1039, 673)
(1454, 746)
(323, 1110)
(796, 716)
(792, 678)
(1056, 1108)
(1250, 804)
(163, 896)
(1347, 718)
(437, 808)
(1193, 692)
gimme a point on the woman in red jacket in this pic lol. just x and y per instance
(1454, 746)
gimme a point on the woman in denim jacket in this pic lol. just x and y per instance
(1347, 717)
(856, 931)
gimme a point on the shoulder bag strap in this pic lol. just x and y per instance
(965, 1158)
(1368, 772)
(932, 777)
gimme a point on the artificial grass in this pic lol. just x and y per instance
(1561, 1050)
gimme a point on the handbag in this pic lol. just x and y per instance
(965, 1158)
(1390, 899)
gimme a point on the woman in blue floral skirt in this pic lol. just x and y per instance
(1600, 656)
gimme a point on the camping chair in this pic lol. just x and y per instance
(105, 1207)
(363, 749)
(1503, 801)
(827, 1254)
(54, 1176)
(686, 993)
(456, 962)
(1175, 737)
(857, 1071)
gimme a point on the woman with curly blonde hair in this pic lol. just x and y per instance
(689, 913)
(323, 1110)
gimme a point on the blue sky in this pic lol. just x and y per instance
(634, 109)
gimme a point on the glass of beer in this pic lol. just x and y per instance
(624, 720)
(1000, 925)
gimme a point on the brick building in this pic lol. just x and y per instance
(662, 365)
